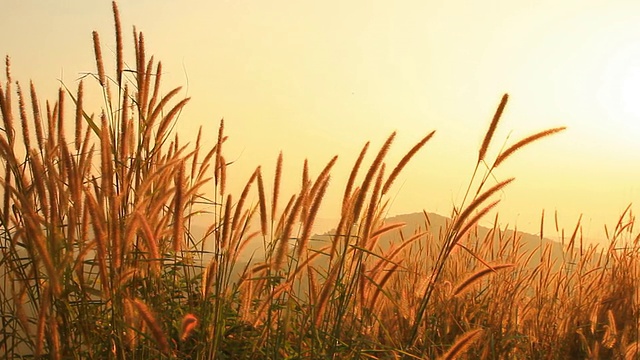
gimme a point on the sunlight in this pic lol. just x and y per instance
(629, 92)
(620, 88)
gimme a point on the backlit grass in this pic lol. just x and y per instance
(99, 260)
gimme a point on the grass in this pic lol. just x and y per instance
(99, 261)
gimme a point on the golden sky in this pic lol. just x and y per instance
(319, 78)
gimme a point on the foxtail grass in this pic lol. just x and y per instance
(100, 257)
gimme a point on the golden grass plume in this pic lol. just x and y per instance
(462, 344)
(492, 127)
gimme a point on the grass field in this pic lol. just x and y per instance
(98, 260)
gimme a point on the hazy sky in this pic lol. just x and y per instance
(319, 78)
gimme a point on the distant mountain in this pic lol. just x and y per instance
(435, 225)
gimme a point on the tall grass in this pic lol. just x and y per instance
(99, 260)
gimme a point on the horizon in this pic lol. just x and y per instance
(317, 80)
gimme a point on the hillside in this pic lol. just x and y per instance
(435, 227)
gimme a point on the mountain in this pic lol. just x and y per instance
(436, 226)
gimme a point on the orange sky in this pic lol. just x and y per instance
(318, 78)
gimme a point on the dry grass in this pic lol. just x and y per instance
(99, 261)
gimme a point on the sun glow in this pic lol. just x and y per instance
(629, 92)
(621, 86)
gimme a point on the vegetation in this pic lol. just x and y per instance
(98, 260)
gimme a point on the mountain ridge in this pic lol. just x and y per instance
(434, 225)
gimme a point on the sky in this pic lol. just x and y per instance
(315, 79)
